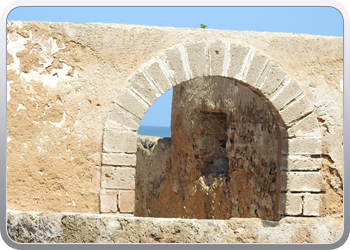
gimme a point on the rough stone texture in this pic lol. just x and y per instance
(119, 141)
(301, 163)
(120, 159)
(33, 227)
(151, 169)
(144, 89)
(119, 118)
(118, 177)
(332, 201)
(291, 204)
(223, 141)
(303, 182)
(64, 79)
(126, 201)
(312, 204)
(108, 201)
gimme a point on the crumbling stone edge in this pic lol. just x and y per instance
(37, 227)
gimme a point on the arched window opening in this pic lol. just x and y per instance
(222, 160)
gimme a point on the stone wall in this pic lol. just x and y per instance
(225, 160)
(77, 93)
(225, 155)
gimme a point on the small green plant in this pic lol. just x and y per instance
(203, 26)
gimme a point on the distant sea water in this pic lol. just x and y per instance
(154, 131)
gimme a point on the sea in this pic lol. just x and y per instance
(155, 131)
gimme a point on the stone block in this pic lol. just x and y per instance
(115, 141)
(287, 93)
(274, 78)
(119, 118)
(216, 52)
(118, 177)
(290, 204)
(296, 110)
(119, 159)
(238, 55)
(312, 204)
(267, 67)
(302, 146)
(163, 82)
(302, 182)
(144, 88)
(126, 201)
(132, 103)
(108, 201)
(305, 127)
(174, 60)
(294, 164)
(198, 59)
(256, 69)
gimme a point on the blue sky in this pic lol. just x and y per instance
(324, 21)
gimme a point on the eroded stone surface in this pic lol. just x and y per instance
(31, 227)
(225, 146)
(62, 80)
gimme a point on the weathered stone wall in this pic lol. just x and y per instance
(152, 168)
(77, 93)
(225, 155)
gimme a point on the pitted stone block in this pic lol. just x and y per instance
(302, 182)
(174, 60)
(274, 78)
(296, 110)
(163, 82)
(118, 177)
(239, 56)
(126, 201)
(119, 118)
(264, 74)
(290, 204)
(144, 88)
(120, 159)
(301, 145)
(305, 127)
(301, 163)
(289, 91)
(108, 201)
(198, 59)
(217, 54)
(119, 141)
(312, 203)
(256, 68)
(131, 102)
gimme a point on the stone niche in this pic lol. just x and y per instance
(223, 159)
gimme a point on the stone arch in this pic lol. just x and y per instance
(301, 143)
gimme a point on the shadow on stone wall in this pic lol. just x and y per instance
(223, 160)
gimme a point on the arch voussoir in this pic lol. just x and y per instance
(289, 91)
(296, 110)
(306, 127)
(255, 68)
(216, 54)
(144, 87)
(176, 60)
(157, 70)
(198, 59)
(119, 118)
(274, 78)
(237, 59)
(131, 102)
